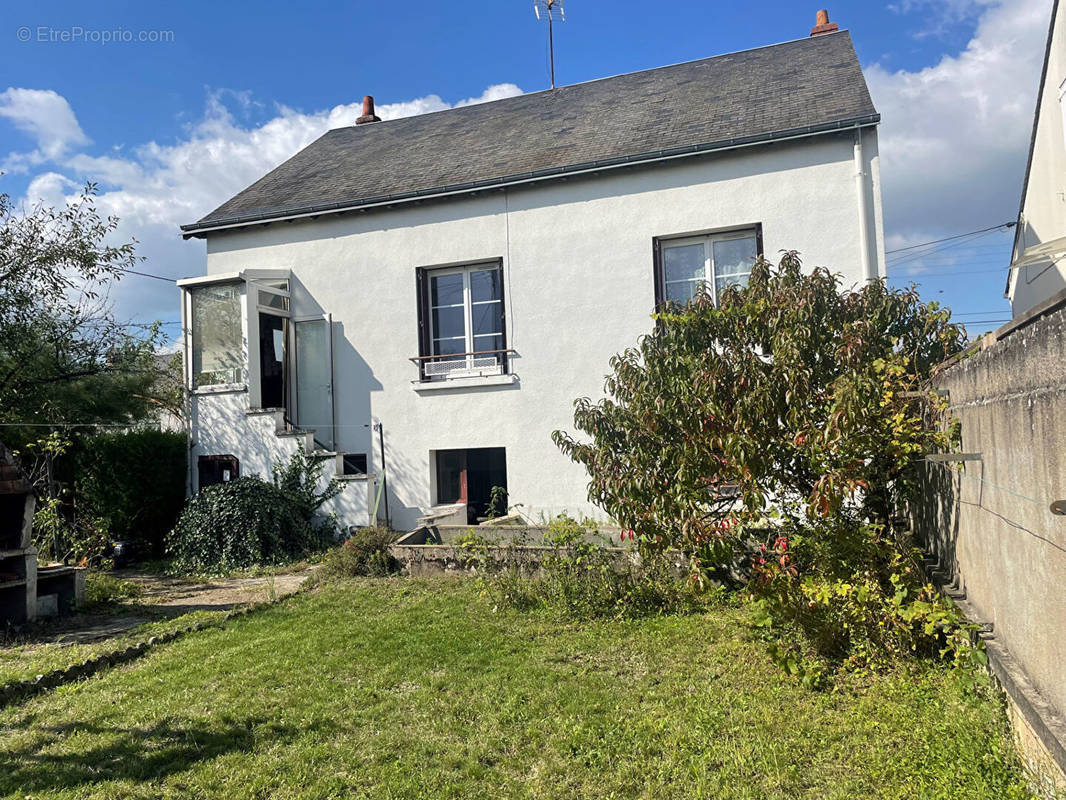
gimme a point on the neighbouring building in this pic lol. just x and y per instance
(1038, 264)
(461, 277)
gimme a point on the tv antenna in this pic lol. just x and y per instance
(550, 6)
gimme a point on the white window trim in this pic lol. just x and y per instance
(188, 325)
(709, 271)
(468, 319)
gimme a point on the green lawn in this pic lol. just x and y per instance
(416, 688)
(25, 661)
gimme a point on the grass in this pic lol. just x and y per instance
(401, 688)
(20, 662)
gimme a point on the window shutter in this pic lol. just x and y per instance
(758, 239)
(657, 267)
(422, 295)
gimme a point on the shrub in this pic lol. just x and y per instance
(298, 480)
(822, 613)
(794, 401)
(365, 552)
(249, 522)
(134, 483)
(584, 578)
(64, 536)
(102, 589)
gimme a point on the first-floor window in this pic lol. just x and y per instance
(217, 341)
(716, 261)
(463, 324)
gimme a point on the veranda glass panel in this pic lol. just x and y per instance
(217, 341)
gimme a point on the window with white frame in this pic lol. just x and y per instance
(717, 261)
(217, 341)
(463, 320)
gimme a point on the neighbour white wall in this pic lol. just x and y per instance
(578, 275)
(1043, 216)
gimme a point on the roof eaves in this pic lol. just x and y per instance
(240, 220)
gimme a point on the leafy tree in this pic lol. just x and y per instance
(796, 401)
(64, 357)
(67, 364)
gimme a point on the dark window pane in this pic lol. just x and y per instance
(446, 290)
(444, 347)
(485, 285)
(487, 318)
(450, 466)
(483, 343)
(448, 322)
(355, 463)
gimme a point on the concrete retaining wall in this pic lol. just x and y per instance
(987, 520)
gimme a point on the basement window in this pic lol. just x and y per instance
(716, 261)
(354, 463)
(212, 470)
(475, 476)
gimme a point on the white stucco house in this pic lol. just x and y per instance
(1038, 262)
(460, 277)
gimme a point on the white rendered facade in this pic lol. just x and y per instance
(578, 272)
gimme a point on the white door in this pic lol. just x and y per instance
(314, 377)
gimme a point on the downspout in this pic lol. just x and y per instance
(869, 272)
(186, 382)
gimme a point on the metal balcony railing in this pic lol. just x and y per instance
(461, 365)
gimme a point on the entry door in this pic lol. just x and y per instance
(314, 377)
(272, 360)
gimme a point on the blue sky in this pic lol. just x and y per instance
(172, 128)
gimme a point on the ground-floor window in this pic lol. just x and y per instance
(476, 476)
(217, 469)
(461, 316)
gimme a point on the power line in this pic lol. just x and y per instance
(950, 238)
(937, 251)
(149, 275)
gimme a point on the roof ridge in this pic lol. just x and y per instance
(604, 78)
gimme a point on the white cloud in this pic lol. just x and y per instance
(154, 188)
(938, 16)
(954, 137)
(45, 116)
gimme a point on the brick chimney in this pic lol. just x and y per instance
(368, 111)
(822, 24)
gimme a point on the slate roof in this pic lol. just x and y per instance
(756, 95)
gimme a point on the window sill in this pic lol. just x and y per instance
(471, 382)
(221, 388)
